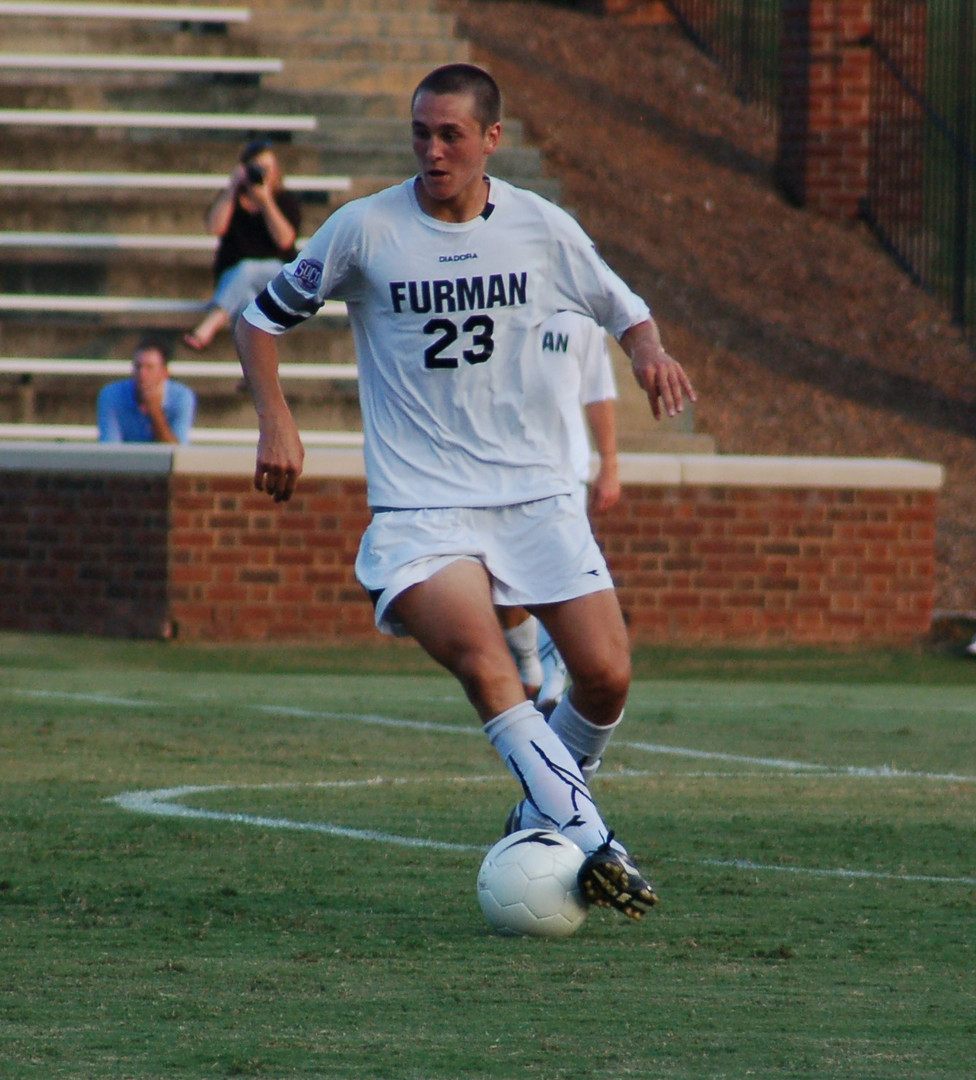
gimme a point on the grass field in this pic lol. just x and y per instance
(261, 862)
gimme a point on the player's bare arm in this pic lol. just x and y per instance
(660, 376)
(601, 418)
(280, 454)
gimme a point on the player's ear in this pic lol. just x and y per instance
(493, 134)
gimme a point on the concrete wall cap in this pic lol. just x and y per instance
(240, 461)
(673, 470)
(147, 459)
(733, 470)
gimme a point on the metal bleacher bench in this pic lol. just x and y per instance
(136, 119)
(111, 241)
(183, 369)
(181, 13)
(154, 180)
(216, 65)
(52, 303)
(226, 436)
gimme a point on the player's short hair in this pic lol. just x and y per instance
(155, 343)
(465, 79)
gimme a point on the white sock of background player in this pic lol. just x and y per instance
(523, 644)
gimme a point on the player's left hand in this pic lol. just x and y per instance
(660, 376)
(664, 381)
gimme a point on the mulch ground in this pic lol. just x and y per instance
(801, 335)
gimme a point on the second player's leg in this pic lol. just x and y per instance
(590, 633)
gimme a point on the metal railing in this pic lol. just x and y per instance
(921, 198)
(922, 177)
(744, 37)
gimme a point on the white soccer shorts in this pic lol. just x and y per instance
(538, 552)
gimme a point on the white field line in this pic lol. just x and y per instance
(784, 764)
(872, 875)
(160, 802)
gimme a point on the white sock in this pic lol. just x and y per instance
(554, 672)
(550, 779)
(523, 644)
(585, 740)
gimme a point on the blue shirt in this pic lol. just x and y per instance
(121, 420)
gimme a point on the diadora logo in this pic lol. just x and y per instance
(309, 273)
(463, 257)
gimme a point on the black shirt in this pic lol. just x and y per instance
(247, 235)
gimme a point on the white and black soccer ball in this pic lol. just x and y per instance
(527, 885)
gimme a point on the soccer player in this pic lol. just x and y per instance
(590, 382)
(448, 278)
(149, 406)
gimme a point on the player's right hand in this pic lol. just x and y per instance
(279, 462)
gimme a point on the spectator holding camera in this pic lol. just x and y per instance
(257, 221)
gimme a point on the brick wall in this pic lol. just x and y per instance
(825, 88)
(242, 567)
(84, 553)
(703, 548)
(744, 564)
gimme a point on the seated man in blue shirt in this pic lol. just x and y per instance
(149, 406)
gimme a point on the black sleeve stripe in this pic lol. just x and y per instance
(276, 314)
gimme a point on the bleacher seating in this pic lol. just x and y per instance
(126, 64)
(120, 121)
(201, 435)
(158, 181)
(148, 306)
(179, 369)
(179, 13)
(126, 118)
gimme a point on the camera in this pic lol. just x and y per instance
(255, 173)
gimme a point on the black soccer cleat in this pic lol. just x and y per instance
(608, 878)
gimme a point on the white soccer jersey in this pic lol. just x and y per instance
(588, 379)
(458, 407)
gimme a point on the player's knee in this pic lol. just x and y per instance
(484, 676)
(603, 686)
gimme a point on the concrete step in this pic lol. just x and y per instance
(330, 8)
(179, 94)
(87, 10)
(31, 66)
(178, 217)
(79, 36)
(322, 45)
(287, 24)
(186, 95)
(316, 341)
(396, 78)
(291, 22)
(121, 151)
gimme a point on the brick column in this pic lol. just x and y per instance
(822, 158)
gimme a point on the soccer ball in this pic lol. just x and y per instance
(527, 885)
